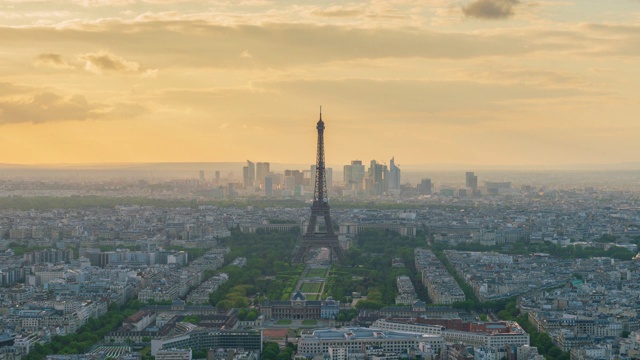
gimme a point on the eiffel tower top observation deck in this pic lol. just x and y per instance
(313, 237)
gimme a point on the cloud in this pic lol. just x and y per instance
(490, 9)
(407, 101)
(123, 110)
(14, 15)
(90, 3)
(51, 60)
(101, 61)
(487, 73)
(405, 97)
(9, 88)
(48, 106)
(150, 73)
(171, 44)
(337, 11)
(97, 62)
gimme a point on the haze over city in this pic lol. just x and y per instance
(480, 82)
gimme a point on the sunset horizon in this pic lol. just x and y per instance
(480, 82)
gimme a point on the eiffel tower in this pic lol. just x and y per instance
(313, 238)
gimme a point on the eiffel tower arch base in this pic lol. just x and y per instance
(318, 241)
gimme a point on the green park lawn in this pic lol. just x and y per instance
(317, 273)
(309, 287)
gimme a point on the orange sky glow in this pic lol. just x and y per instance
(484, 82)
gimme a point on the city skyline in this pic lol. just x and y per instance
(473, 83)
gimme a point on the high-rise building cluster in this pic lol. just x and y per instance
(470, 188)
(358, 179)
(259, 179)
(377, 180)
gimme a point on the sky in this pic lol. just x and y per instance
(480, 82)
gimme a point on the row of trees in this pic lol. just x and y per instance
(368, 268)
(86, 201)
(21, 249)
(88, 334)
(267, 274)
(466, 288)
(16, 202)
(542, 341)
(248, 315)
(563, 252)
(271, 351)
(237, 297)
(507, 310)
(346, 315)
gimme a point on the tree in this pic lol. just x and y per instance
(252, 315)
(367, 304)
(199, 354)
(292, 346)
(544, 342)
(285, 354)
(554, 352)
(270, 351)
(193, 319)
(577, 276)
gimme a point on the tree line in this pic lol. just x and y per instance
(93, 331)
(268, 271)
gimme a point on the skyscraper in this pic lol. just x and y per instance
(425, 187)
(471, 181)
(262, 171)
(289, 182)
(354, 175)
(347, 172)
(297, 175)
(377, 178)
(249, 174)
(394, 175)
(268, 186)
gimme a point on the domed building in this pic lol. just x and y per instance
(299, 308)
